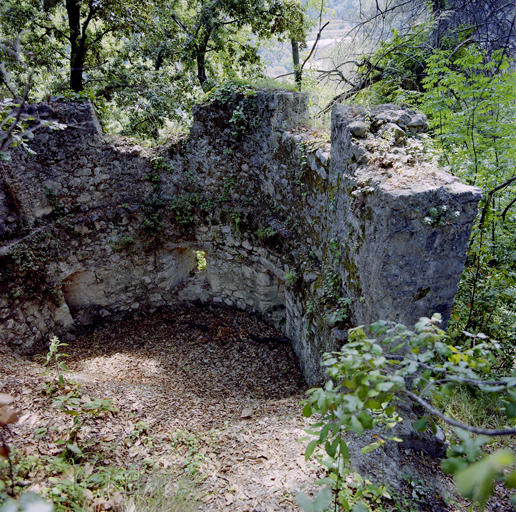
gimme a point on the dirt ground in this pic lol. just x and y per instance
(216, 393)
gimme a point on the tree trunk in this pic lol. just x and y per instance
(159, 59)
(297, 66)
(201, 68)
(200, 57)
(77, 52)
(437, 7)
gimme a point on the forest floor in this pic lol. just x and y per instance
(212, 394)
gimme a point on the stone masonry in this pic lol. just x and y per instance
(314, 231)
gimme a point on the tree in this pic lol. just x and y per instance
(295, 40)
(71, 29)
(230, 29)
(152, 59)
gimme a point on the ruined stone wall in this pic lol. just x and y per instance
(313, 234)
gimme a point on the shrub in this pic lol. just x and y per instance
(366, 381)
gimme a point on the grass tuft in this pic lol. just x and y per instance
(482, 410)
(162, 493)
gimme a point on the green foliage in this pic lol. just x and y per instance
(395, 72)
(152, 217)
(302, 151)
(265, 233)
(320, 504)
(71, 479)
(183, 207)
(75, 471)
(470, 100)
(28, 261)
(339, 307)
(159, 165)
(335, 249)
(124, 243)
(16, 127)
(481, 409)
(189, 442)
(244, 117)
(471, 106)
(146, 63)
(440, 216)
(145, 102)
(414, 494)
(331, 285)
(70, 403)
(201, 260)
(230, 89)
(155, 179)
(229, 187)
(57, 208)
(291, 277)
(13, 132)
(486, 297)
(341, 313)
(236, 217)
(365, 382)
(54, 360)
(161, 493)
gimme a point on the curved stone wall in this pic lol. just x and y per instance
(312, 230)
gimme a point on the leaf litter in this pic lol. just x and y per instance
(210, 391)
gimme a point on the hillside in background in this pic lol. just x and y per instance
(342, 15)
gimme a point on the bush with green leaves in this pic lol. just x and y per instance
(369, 377)
(55, 361)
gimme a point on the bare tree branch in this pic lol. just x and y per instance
(315, 44)
(507, 208)
(490, 197)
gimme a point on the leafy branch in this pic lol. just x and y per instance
(368, 381)
(14, 121)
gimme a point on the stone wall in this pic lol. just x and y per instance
(313, 234)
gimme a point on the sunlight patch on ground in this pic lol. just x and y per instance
(120, 367)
